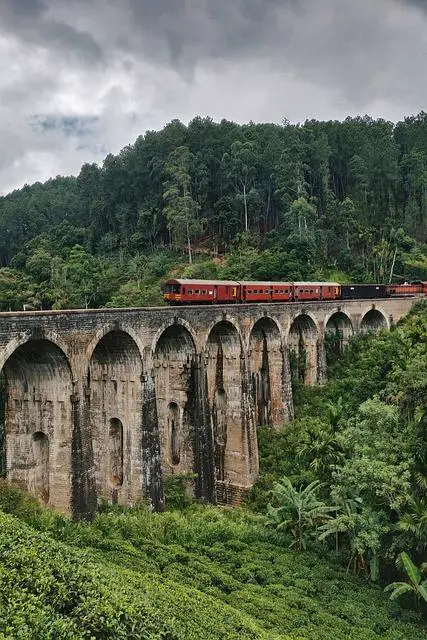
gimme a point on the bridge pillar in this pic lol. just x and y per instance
(84, 498)
(152, 476)
(322, 373)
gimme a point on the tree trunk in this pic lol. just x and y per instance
(392, 266)
(246, 206)
(190, 257)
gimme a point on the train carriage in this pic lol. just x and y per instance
(317, 291)
(363, 291)
(251, 291)
(184, 291)
(406, 290)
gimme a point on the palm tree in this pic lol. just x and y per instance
(415, 584)
(356, 526)
(299, 511)
(414, 521)
(324, 453)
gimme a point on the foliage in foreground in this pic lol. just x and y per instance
(206, 572)
(415, 583)
(367, 446)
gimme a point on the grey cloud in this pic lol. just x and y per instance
(30, 21)
(79, 77)
(16, 10)
(422, 4)
(192, 29)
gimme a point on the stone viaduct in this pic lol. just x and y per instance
(103, 404)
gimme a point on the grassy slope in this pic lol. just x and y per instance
(207, 573)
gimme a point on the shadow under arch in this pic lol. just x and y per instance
(302, 342)
(338, 332)
(185, 441)
(39, 419)
(177, 322)
(235, 446)
(114, 384)
(111, 328)
(268, 373)
(373, 320)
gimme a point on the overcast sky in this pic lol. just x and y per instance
(81, 78)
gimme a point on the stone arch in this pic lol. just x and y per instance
(38, 421)
(235, 448)
(303, 338)
(338, 332)
(177, 322)
(22, 339)
(179, 400)
(373, 320)
(267, 369)
(233, 326)
(110, 328)
(114, 383)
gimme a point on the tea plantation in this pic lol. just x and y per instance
(203, 573)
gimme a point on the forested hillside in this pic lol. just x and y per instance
(346, 200)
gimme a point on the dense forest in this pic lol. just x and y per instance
(344, 200)
(340, 499)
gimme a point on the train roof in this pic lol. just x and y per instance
(368, 284)
(229, 283)
(235, 283)
(317, 284)
(263, 283)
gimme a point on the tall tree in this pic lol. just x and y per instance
(181, 208)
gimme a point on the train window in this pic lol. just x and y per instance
(197, 291)
(210, 293)
(172, 288)
(189, 291)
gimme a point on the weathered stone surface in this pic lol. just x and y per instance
(101, 405)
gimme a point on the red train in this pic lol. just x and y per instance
(177, 291)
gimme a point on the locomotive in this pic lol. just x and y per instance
(179, 291)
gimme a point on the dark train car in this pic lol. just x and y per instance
(179, 291)
(363, 291)
(317, 291)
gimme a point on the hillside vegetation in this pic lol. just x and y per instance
(342, 200)
(204, 572)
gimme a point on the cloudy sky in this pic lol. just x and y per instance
(81, 78)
